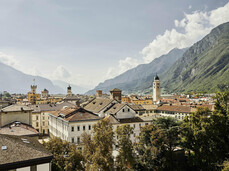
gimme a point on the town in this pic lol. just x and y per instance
(114, 85)
(42, 117)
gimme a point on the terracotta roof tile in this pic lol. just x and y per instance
(175, 108)
(75, 114)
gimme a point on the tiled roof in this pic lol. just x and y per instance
(150, 107)
(98, 104)
(131, 120)
(21, 150)
(115, 108)
(19, 129)
(136, 107)
(50, 107)
(112, 119)
(175, 108)
(75, 114)
(115, 89)
(16, 108)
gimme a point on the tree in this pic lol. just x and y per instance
(65, 155)
(150, 148)
(98, 149)
(196, 139)
(125, 158)
(171, 130)
(225, 166)
(205, 135)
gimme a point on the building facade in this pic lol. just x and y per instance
(14, 113)
(70, 123)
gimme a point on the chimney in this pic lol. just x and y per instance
(99, 93)
(78, 103)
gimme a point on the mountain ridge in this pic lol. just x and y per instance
(15, 81)
(131, 80)
(204, 66)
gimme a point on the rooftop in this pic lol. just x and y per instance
(98, 104)
(19, 129)
(75, 114)
(19, 151)
(175, 108)
(16, 108)
(115, 89)
(50, 107)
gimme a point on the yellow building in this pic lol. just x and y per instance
(146, 101)
(51, 100)
(32, 95)
(126, 99)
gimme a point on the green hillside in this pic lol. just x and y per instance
(203, 67)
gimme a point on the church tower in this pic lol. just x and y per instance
(156, 89)
(69, 91)
(33, 89)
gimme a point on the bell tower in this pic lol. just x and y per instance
(69, 91)
(156, 89)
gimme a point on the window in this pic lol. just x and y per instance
(123, 110)
(146, 123)
(72, 128)
(78, 140)
(73, 140)
(33, 168)
(128, 110)
(84, 128)
(37, 124)
(43, 123)
(89, 127)
(43, 118)
(134, 125)
(78, 128)
(37, 118)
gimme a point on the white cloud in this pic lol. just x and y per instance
(124, 65)
(194, 27)
(60, 73)
(8, 60)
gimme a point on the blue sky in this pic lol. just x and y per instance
(86, 42)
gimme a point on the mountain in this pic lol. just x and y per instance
(204, 66)
(75, 88)
(15, 81)
(140, 77)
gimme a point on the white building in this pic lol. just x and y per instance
(70, 122)
(40, 116)
(177, 111)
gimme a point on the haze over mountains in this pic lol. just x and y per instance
(139, 79)
(15, 81)
(202, 67)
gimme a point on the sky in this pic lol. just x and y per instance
(86, 42)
